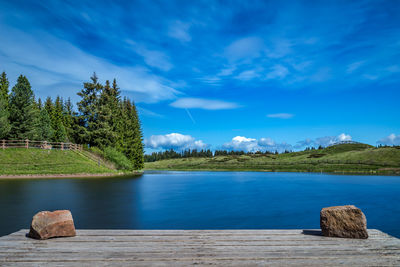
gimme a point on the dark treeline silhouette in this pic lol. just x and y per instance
(102, 118)
(172, 154)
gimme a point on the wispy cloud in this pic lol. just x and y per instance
(280, 115)
(152, 58)
(149, 113)
(179, 30)
(277, 72)
(51, 62)
(245, 49)
(201, 103)
(247, 75)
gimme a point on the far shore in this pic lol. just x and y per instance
(75, 175)
(337, 172)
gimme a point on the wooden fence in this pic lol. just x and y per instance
(39, 144)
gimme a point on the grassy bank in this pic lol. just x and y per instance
(21, 161)
(343, 158)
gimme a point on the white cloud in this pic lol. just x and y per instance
(392, 139)
(324, 141)
(174, 141)
(55, 66)
(201, 103)
(280, 115)
(241, 143)
(179, 30)
(266, 142)
(344, 137)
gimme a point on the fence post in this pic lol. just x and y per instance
(26, 143)
(3, 144)
(62, 146)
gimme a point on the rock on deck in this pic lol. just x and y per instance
(200, 247)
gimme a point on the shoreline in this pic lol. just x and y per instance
(75, 175)
(367, 173)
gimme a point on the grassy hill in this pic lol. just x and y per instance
(21, 161)
(343, 158)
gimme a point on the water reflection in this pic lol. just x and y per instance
(201, 200)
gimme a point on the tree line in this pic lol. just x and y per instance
(194, 153)
(103, 119)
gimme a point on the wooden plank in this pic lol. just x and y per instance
(102, 232)
(198, 247)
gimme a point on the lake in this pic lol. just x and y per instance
(202, 200)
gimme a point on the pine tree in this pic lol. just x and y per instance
(132, 135)
(105, 134)
(23, 111)
(45, 131)
(60, 134)
(138, 139)
(48, 105)
(68, 114)
(88, 108)
(40, 104)
(4, 85)
(5, 126)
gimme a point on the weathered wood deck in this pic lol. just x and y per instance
(200, 247)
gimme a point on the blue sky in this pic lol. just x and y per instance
(221, 74)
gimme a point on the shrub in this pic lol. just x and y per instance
(118, 158)
(97, 151)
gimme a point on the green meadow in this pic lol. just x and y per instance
(343, 158)
(21, 161)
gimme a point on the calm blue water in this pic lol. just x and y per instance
(202, 200)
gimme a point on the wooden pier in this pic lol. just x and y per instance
(199, 247)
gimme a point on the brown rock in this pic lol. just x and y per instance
(343, 221)
(46, 224)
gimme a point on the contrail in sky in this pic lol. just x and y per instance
(190, 116)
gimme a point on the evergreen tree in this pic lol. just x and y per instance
(103, 119)
(4, 86)
(5, 126)
(105, 134)
(45, 131)
(40, 104)
(23, 112)
(132, 135)
(88, 108)
(48, 105)
(69, 121)
(60, 134)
